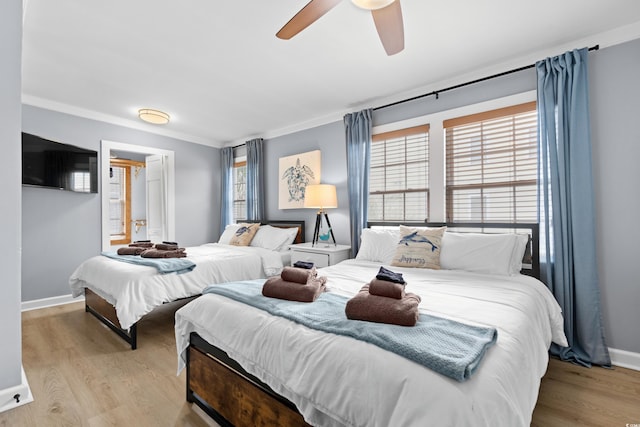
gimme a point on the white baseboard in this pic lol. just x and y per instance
(16, 396)
(49, 302)
(625, 359)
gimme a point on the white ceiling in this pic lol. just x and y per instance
(217, 68)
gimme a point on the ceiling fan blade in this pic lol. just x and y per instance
(390, 28)
(307, 16)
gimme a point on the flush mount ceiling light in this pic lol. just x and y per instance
(153, 116)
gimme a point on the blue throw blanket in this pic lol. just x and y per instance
(448, 347)
(163, 265)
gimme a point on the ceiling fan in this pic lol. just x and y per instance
(387, 17)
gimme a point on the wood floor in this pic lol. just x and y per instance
(81, 381)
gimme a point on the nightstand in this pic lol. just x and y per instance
(320, 254)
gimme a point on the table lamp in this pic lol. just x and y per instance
(321, 197)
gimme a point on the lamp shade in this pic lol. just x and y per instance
(320, 196)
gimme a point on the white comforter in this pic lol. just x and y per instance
(336, 380)
(135, 290)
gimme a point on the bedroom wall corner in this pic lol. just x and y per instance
(12, 379)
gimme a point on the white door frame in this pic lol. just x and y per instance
(105, 158)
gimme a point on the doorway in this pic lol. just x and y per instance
(160, 199)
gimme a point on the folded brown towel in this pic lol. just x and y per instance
(130, 250)
(275, 287)
(385, 288)
(298, 275)
(374, 308)
(141, 245)
(166, 247)
(156, 253)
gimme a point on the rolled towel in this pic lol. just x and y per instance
(374, 308)
(384, 288)
(170, 243)
(141, 245)
(130, 250)
(303, 264)
(166, 247)
(275, 287)
(156, 253)
(390, 276)
(298, 275)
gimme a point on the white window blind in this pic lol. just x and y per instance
(239, 191)
(491, 165)
(399, 175)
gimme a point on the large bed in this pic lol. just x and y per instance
(248, 367)
(120, 293)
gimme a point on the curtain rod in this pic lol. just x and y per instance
(438, 92)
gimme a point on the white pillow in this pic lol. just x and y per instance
(378, 244)
(479, 253)
(228, 233)
(292, 233)
(274, 238)
(518, 253)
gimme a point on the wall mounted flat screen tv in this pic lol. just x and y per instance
(52, 164)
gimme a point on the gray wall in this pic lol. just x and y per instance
(330, 140)
(615, 110)
(10, 177)
(60, 229)
(615, 113)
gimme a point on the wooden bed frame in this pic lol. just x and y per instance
(233, 397)
(106, 312)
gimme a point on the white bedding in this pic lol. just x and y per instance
(336, 380)
(135, 290)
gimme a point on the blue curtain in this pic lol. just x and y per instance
(255, 180)
(358, 138)
(226, 191)
(567, 205)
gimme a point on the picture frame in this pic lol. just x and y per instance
(295, 172)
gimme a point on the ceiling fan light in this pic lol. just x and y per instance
(372, 4)
(155, 117)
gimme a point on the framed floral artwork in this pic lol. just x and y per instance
(294, 174)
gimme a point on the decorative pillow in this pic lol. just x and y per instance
(228, 233)
(244, 234)
(378, 244)
(273, 238)
(479, 253)
(419, 247)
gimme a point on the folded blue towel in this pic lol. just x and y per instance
(448, 347)
(303, 264)
(389, 276)
(163, 265)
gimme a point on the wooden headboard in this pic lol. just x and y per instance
(531, 259)
(290, 224)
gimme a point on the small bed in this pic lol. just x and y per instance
(119, 293)
(248, 367)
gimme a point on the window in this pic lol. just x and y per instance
(120, 199)
(399, 175)
(239, 191)
(120, 204)
(491, 165)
